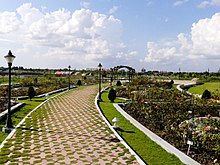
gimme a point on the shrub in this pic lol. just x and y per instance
(112, 95)
(206, 94)
(31, 92)
(118, 83)
(171, 82)
(169, 85)
(79, 82)
(35, 80)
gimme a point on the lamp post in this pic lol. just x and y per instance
(100, 70)
(69, 77)
(8, 127)
(111, 79)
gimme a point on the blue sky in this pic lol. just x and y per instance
(151, 34)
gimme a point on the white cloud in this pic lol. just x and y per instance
(113, 10)
(29, 14)
(206, 36)
(83, 37)
(180, 2)
(8, 22)
(208, 3)
(85, 4)
(156, 53)
(201, 45)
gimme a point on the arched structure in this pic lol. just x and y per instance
(130, 70)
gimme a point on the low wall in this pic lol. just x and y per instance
(47, 94)
(14, 108)
(19, 105)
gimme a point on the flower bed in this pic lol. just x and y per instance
(204, 133)
(163, 110)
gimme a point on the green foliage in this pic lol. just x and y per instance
(203, 131)
(112, 95)
(31, 92)
(206, 94)
(170, 84)
(162, 110)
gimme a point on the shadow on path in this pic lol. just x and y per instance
(66, 133)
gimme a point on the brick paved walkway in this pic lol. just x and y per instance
(66, 130)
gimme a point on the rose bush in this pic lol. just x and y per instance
(162, 110)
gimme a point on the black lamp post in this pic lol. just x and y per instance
(69, 77)
(100, 78)
(8, 127)
(111, 79)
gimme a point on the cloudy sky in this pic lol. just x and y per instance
(160, 35)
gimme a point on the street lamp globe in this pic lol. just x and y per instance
(100, 66)
(9, 57)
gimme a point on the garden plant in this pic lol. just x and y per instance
(112, 94)
(165, 112)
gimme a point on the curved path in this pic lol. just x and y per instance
(66, 130)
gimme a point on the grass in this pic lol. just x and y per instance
(148, 150)
(213, 87)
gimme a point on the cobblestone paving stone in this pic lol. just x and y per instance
(66, 130)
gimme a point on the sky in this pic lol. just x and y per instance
(162, 35)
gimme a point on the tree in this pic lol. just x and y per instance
(31, 92)
(79, 82)
(143, 70)
(206, 94)
(35, 80)
(170, 84)
(118, 83)
(112, 95)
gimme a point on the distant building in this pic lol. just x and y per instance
(61, 73)
(92, 69)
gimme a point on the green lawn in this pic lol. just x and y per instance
(213, 87)
(148, 150)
